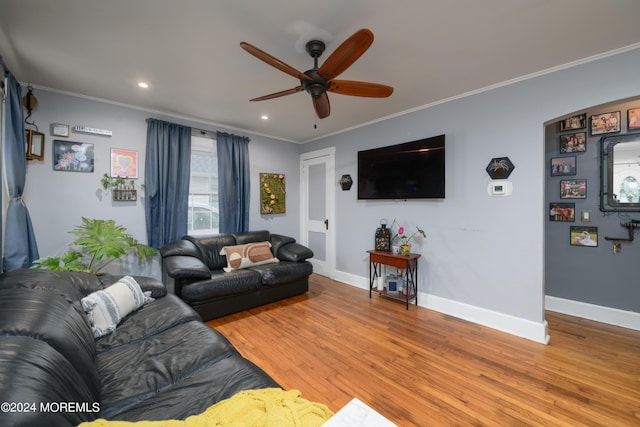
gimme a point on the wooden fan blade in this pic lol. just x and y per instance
(279, 94)
(322, 106)
(346, 54)
(349, 87)
(273, 61)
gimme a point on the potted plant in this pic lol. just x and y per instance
(405, 241)
(98, 243)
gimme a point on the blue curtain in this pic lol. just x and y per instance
(233, 182)
(167, 172)
(20, 247)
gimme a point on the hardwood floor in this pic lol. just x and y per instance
(424, 368)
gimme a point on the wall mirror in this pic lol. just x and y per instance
(620, 173)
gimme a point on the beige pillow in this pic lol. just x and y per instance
(251, 254)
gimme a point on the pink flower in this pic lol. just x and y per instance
(401, 230)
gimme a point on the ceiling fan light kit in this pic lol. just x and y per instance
(320, 80)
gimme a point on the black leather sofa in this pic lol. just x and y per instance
(161, 362)
(197, 268)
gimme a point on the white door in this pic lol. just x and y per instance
(317, 171)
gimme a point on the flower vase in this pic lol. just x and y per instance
(405, 250)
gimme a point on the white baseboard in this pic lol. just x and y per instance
(612, 316)
(538, 332)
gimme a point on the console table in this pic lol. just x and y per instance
(409, 263)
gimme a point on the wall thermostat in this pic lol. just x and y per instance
(500, 188)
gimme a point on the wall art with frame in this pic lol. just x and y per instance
(573, 189)
(70, 156)
(605, 123)
(124, 163)
(272, 193)
(574, 122)
(583, 236)
(563, 212)
(633, 119)
(573, 143)
(561, 166)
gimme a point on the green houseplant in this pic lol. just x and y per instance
(98, 243)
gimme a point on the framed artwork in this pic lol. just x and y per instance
(563, 166)
(573, 189)
(574, 122)
(59, 129)
(605, 123)
(124, 163)
(272, 193)
(69, 156)
(633, 119)
(564, 212)
(583, 236)
(573, 143)
(585, 215)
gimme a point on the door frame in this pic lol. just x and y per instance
(330, 198)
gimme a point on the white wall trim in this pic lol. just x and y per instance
(534, 331)
(612, 316)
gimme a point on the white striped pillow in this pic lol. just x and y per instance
(105, 308)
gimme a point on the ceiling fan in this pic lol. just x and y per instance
(318, 81)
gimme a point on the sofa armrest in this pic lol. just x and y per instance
(179, 247)
(294, 252)
(157, 288)
(186, 267)
(278, 241)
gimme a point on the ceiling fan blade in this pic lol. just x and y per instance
(322, 106)
(279, 94)
(349, 87)
(273, 61)
(346, 54)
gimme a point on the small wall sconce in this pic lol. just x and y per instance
(35, 145)
(346, 182)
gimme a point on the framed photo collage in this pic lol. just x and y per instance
(572, 142)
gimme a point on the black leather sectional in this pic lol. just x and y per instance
(196, 266)
(161, 362)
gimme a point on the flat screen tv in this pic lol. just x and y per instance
(413, 170)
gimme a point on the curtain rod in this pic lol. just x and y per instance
(203, 132)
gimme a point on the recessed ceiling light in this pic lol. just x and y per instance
(143, 85)
(264, 117)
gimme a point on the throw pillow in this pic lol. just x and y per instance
(107, 307)
(249, 255)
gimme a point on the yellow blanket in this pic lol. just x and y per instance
(269, 407)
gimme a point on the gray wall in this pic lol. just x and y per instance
(481, 252)
(57, 200)
(594, 275)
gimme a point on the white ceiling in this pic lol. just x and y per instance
(188, 51)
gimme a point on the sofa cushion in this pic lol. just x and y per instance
(55, 321)
(251, 237)
(284, 272)
(134, 372)
(105, 308)
(222, 284)
(248, 255)
(209, 248)
(150, 319)
(32, 372)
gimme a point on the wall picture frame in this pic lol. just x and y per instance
(562, 166)
(633, 119)
(60, 129)
(573, 143)
(273, 194)
(70, 156)
(562, 212)
(605, 123)
(124, 163)
(583, 236)
(573, 189)
(574, 122)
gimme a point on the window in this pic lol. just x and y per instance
(203, 187)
